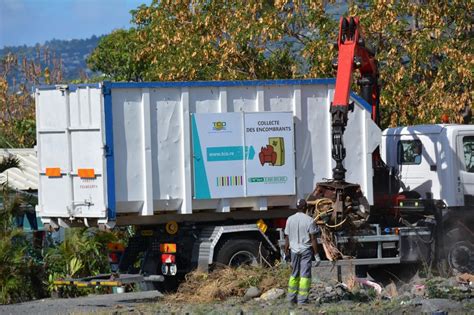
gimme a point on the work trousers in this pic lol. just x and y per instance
(300, 279)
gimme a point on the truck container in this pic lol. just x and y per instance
(148, 153)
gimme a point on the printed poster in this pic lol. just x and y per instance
(243, 154)
(218, 142)
(272, 172)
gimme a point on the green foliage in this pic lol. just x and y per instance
(9, 162)
(425, 49)
(10, 204)
(83, 253)
(435, 290)
(115, 56)
(21, 274)
(438, 288)
(17, 109)
(198, 41)
(426, 54)
(24, 274)
(20, 270)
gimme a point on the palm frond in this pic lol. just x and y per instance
(8, 162)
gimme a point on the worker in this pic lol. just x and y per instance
(301, 244)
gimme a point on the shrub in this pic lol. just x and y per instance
(20, 271)
(82, 253)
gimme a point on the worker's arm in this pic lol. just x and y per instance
(314, 243)
(313, 232)
(287, 239)
(287, 245)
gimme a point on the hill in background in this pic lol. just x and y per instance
(72, 54)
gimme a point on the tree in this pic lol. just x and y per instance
(115, 56)
(20, 272)
(17, 110)
(226, 40)
(425, 49)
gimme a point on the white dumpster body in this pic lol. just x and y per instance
(134, 152)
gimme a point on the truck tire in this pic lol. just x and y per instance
(461, 257)
(238, 252)
(458, 250)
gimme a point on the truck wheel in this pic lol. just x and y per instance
(458, 250)
(461, 257)
(238, 252)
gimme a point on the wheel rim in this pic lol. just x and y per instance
(243, 258)
(460, 257)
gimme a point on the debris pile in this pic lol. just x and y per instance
(322, 214)
(226, 282)
(329, 220)
(457, 288)
(262, 287)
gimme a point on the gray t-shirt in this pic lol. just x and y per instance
(298, 228)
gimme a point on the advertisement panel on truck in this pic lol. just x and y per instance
(243, 154)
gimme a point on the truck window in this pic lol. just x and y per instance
(409, 152)
(468, 145)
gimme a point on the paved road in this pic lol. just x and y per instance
(86, 304)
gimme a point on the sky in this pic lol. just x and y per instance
(36, 21)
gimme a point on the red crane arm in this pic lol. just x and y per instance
(352, 55)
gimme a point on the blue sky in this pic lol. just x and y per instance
(36, 21)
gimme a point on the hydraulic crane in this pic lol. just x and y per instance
(353, 55)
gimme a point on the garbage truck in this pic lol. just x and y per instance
(208, 172)
(213, 169)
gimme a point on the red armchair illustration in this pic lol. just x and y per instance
(267, 155)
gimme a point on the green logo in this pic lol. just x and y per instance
(219, 125)
(268, 180)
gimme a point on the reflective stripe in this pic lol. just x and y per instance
(294, 281)
(304, 287)
(293, 284)
(305, 283)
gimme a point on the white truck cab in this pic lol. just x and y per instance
(436, 161)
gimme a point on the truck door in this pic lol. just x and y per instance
(416, 162)
(70, 153)
(465, 152)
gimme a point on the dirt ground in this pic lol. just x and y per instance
(324, 300)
